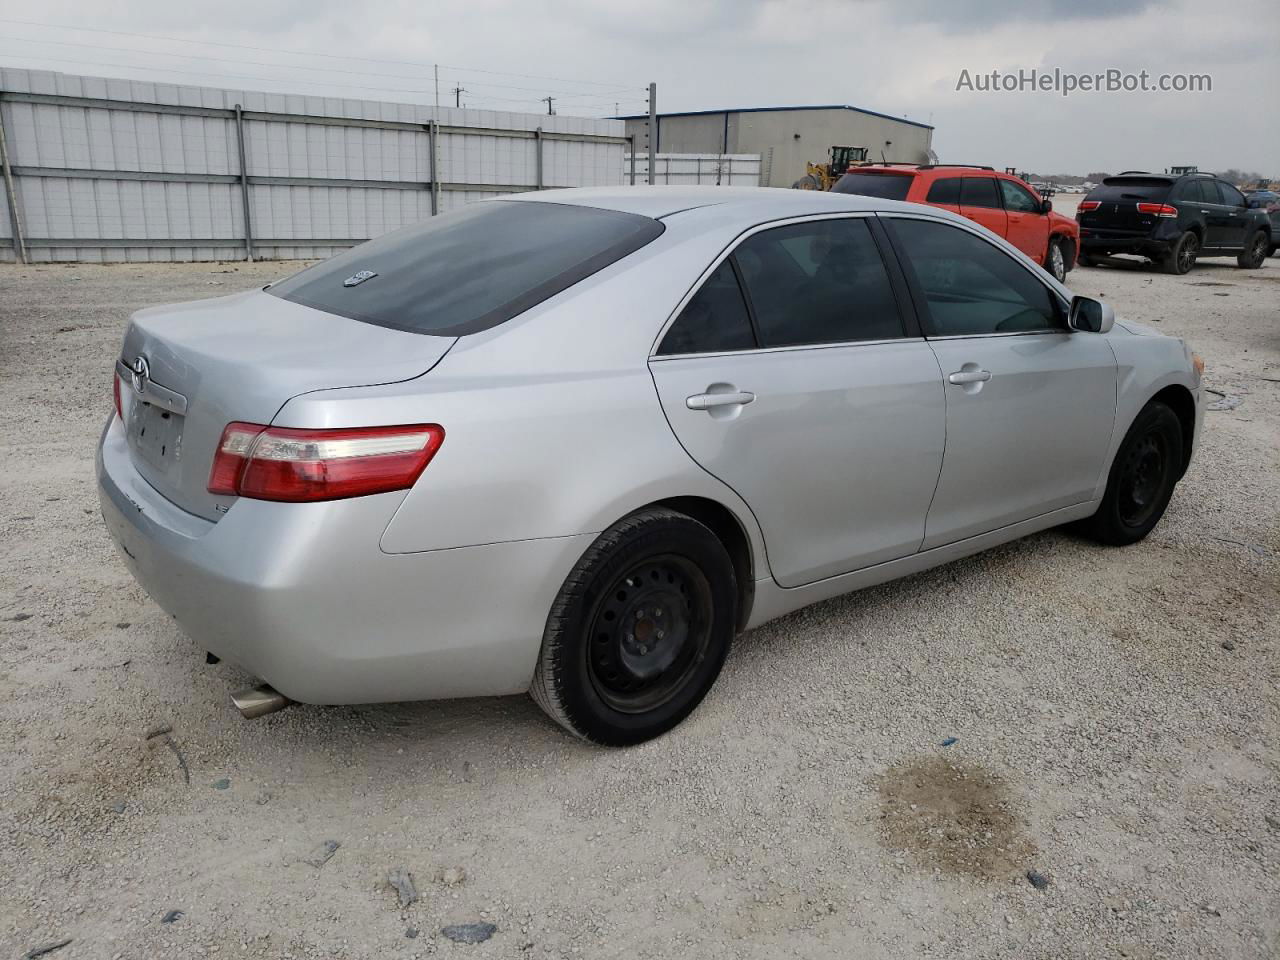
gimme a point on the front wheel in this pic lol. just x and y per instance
(1255, 252)
(639, 631)
(1142, 478)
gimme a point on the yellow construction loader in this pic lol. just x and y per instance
(823, 176)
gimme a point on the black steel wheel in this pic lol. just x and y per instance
(1256, 251)
(639, 631)
(1145, 470)
(1182, 257)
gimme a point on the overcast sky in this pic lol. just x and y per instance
(902, 57)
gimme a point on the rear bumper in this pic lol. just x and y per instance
(1142, 246)
(302, 596)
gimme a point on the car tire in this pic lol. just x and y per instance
(1056, 259)
(639, 631)
(1146, 468)
(1255, 252)
(1182, 257)
(807, 182)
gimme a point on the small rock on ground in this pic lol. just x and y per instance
(469, 932)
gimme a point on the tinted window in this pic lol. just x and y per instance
(1132, 188)
(887, 186)
(971, 287)
(1198, 191)
(819, 282)
(714, 320)
(1018, 199)
(946, 190)
(979, 192)
(1230, 195)
(470, 269)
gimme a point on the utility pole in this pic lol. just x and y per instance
(458, 91)
(548, 101)
(437, 72)
(653, 132)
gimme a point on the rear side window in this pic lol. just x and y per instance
(818, 282)
(979, 192)
(715, 320)
(886, 186)
(946, 190)
(971, 287)
(469, 270)
(1154, 189)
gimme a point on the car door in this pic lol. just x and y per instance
(1030, 405)
(1235, 210)
(980, 202)
(790, 375)
(1028, 228)
(1206, 199)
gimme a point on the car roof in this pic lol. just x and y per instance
(761, 203)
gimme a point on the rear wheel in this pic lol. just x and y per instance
(1056, 259)
(1255, 252)
(1085, 260)
(1142, 478)
(807, 182)
(1182, 257)
(639, 631)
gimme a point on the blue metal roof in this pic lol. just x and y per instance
(822, 106)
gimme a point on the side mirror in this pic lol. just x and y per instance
(1046, 206)
(1091, 316)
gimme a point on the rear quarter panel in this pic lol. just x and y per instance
(552, 422)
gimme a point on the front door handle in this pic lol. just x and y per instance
(969, 376)
(708, 401)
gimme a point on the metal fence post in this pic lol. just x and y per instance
(728, 172)
(537, 146)
(653, 133)
(244, 186)
(631, 146)
(15, 216)
(432, 133)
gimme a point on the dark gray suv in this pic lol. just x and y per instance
(1172, 220)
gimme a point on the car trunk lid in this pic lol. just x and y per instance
(192, 368)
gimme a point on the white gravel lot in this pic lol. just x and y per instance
(1116, 712)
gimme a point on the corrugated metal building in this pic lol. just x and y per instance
(787, 137)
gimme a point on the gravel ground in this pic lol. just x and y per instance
(1115, 716)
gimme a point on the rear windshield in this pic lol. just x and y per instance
(1131, 188)
(471, 269)
(886, 186)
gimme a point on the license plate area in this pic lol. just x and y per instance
(155, 435)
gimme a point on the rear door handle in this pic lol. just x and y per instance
(707, 401)
(969, 376)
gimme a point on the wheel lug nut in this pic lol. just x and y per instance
(643, 650)
(639, 614)
(661, 634)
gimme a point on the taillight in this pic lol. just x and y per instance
(279, 463)
(1159, 209)
(115, 394)
(1087, 205)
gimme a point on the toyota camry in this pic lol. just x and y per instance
(573, 442)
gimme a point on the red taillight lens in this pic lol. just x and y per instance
(115, 394)
(1159, 209)
(1087, 205)
(296, 466)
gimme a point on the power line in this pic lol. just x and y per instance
(305, 53)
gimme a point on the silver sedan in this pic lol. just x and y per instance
(573, 442)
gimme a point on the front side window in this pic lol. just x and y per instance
(471, 269)
(715, 320)
(818, 282)
(979, 192)
(1018, 199)
(971, 287)
(1230, 195)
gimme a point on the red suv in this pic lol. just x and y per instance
(1004, 204)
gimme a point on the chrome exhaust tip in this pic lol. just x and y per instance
(254, 702)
